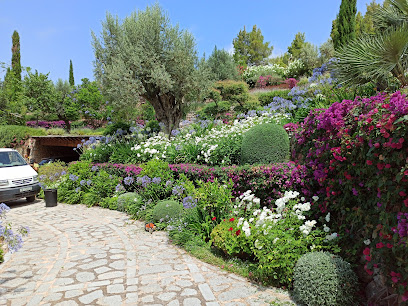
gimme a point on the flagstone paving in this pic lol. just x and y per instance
(76, 255)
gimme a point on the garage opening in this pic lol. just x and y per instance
(42, 149)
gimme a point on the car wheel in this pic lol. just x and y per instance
(30, 199)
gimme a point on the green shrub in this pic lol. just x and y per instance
(112, 128)
(214, 95)
(90, 198)
(231, 242)
(12, 135)
(49, 174)
(321, 278)
(166, 210)
(128, 202)
(265, 144)
(267, 97)
(153, 126)
(251, 104)
(147, 112)
(212, 109)
(233, 91)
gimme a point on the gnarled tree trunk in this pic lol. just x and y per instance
(168, 110)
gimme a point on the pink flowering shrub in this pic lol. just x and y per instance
(356, 156)
(267, 182)
(291, 82)
(267, 80)
(46, 124)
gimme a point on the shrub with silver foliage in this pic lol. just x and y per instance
(321, 278)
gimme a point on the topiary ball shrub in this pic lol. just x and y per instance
(265, 144)
(321, 278)
(127, 200)
(166, 210)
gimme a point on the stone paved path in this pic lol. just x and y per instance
(76, 255)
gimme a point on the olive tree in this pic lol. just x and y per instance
(144, 55)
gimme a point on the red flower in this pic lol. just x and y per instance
(406, 172)
(214, 218)
(369, 272)
(238, 232)
(380, 166)
(230, 229)
(387, 166)
(232, 220)
(368, 258)
(366, 251)
(395, 279)
(377, 145)
(402, 193)
(369, 162)
(380, 245)
(389, 245)
(406, 202)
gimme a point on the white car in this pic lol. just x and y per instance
(17, 178)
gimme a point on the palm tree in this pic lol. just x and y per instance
(377, 57)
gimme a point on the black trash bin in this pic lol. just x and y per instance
(50, 196)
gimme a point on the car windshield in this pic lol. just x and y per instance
(11, 159)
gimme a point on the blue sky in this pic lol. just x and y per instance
(54, 31)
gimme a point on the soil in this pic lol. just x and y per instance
(269, 88)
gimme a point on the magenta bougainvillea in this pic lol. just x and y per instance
(356, 157)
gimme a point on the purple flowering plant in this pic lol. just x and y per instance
(355, 153)
(13, 241)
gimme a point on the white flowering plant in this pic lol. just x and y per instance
(274, 238)
(205, 142)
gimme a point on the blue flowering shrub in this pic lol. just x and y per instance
(12, 241)
(266, 98)
(205, 205)
(82, 185)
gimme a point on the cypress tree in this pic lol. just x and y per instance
(15, 57)
(345, 23)
(71, 74)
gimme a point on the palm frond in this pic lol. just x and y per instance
(394, 15)
(374, 57)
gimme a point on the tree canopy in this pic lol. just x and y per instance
(344, 27)
(71, 74)
(297, 44)
(15, 55)
(145, 55)
(250, 48)
(222, 65)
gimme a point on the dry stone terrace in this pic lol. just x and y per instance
(76, 255)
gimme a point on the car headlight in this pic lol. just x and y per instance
(3, 182)
(35, 178)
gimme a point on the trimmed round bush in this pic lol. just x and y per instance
(265, 144)
(127, 200)
(165, 210)
(321, 278)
